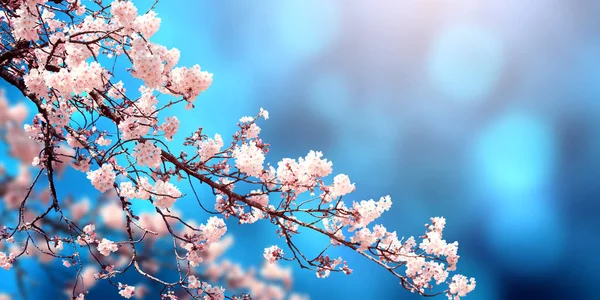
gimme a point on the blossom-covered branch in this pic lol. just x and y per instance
(62, 56)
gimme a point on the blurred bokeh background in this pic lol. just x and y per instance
(485, 112)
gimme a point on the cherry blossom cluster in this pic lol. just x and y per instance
(147, 154)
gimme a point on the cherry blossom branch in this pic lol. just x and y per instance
(58, 66)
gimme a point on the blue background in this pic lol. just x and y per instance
(483, 112)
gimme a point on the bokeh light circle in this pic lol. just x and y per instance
(465, 62)
(515, 153)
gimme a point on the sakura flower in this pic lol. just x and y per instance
(190, 82)
(165, 194)
(342, 185)
(124, 12)
(105, 247)
(147, 154)
(249, 159)
(170, 127)
(273, 253)
(6, 261)
(193, 282)
(264, 113)
(126, 291)
(209, 147)
(460, 287)
(103, 178)
(147, 24)
(214, 229)
(59, 245)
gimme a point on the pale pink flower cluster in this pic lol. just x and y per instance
(418, 268)
(214, 229)
(83, 77)
(34, 81)
(141, 191)
(25, 25)
(460, 287)
(193, 282)
(364, 237)
(103, 178)
(273, 254)
(249, 159)
(140, 116)
(60, 116)
(165, 193)
(126, 291)
(423, 272)
(147, 154)
(170, 127)
(341, 186)
(326, 265)
(105, 247)
(253, 131)
(124, 12)
(59, 245)
(147, 24)
(76, 53)
(88, 236)
(103, 141)
(208, 147)
(304, 174)
(264, 113)
(72, 141)
(199, 244)
(213, 292)
(189, 82)
(81, 165)
(254, 214)
(367, 211)
(6, 260)
(147, 65)
(116, 91)
(34, 131)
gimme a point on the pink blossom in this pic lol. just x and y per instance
(214, 229)
(6, 261)
(105, 247)
(273, 253)
(147, 24)
(126, 291)
(253, 131)
(460, 287)
(249, 159)
(170, 127)
(124, 12)
(147, 154)
(342, 185)
(189, 82)
(103, 178)
(193, 282)
(165, 194)
(25, 25)
(208, 147)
